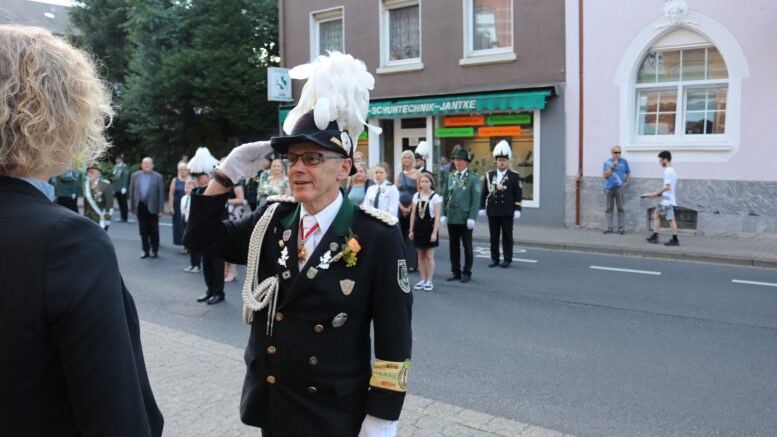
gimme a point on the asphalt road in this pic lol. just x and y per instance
(558, 340)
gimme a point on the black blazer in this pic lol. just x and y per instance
(320, 371)
(501, 200)
(71, 362)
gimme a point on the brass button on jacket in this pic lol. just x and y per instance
(319, 329)
(312, 390)
(313, 361)
(271, 350)
(271, 379)
(278, 316)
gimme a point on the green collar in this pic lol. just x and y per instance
(341, 223)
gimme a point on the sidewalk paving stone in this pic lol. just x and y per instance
(197, 384)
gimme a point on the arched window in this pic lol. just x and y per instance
(682, 92)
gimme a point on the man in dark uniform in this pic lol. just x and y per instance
(120, 181)
(459, 211)
(320, 271)
(98, 197)
(500, 199)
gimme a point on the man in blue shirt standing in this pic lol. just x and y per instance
(617, 174)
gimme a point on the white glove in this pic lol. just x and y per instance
(443, 220)
(470, 224)
(123, 191)
(482, 213)
(516, 215)
(244, 160)
(374, 427)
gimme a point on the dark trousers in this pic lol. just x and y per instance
(459, 234)
(503, 225)
(411, 255)
(213, 272)
(148, 224)
(195, 259)
(69, 203)
(122, 199)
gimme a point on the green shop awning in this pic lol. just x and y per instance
(516, 101)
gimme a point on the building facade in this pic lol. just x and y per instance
(692, 77)
(453, 72)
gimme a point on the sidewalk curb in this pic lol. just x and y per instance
(608, 250)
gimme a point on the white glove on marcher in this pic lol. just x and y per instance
(516, 215)
(123, 191)
(443, 220)
(482, 213)
(470, 224)
(374, 427)
(244, 160)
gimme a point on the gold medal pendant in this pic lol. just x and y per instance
(301, 254)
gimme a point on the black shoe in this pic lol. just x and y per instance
(154, 255)
(494, 264)
(621, 231)
(607, 231)
(466, 278)
(144, 255)
(652, 239)
(454, 277)
(672, 242)
(216, 298)
(505, 264)
(204, 298)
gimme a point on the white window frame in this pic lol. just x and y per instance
(322, 16)
(388, 66)
(487, 56)
(682, 88)
(711, 148)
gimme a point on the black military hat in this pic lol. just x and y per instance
(306, 131)
(119, 156)
(461, 154)
(93, 166)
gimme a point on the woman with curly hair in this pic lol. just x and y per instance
(72, 364)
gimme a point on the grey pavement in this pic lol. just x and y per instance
(197, 385)
(751, 250)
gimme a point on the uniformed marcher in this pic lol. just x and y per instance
(120, 180)
(500, 199)
(98, 197)
(320, 272)
(459, 211)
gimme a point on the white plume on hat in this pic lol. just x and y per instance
(503, 149)
(338, 89)
(424, 149)
(202, 162)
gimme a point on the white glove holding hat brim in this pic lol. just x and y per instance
(470, 224)
(244, 160)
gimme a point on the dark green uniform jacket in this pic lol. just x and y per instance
(461, 198)
(120, 178)
(103, 198)
(312, 376)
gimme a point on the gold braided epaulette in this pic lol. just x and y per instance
(281, 198)
(380, 215)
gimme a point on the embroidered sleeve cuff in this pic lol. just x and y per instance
(390, 375)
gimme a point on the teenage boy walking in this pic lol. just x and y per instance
(668, 201)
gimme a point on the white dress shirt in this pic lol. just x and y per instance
(388, 198)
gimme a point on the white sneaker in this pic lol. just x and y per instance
(188, 269)
(428, 286)
(195, 269)
(419, 285)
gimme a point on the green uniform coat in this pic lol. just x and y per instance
(461, 198)
(120, 178)
(68, 185)
(103, 198)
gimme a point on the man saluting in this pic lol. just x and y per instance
(320, 271)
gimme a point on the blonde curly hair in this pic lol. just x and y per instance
(54, 109)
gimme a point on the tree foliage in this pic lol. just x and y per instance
(195, 73)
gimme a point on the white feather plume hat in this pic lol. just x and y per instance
(503, 149)
(202, 162)
(424, 150)
(332, 109)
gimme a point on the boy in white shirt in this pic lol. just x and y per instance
(668, 201)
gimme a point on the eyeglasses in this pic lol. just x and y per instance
(309, 158)
(617, 153)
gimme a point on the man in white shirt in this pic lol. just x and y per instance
(668, 195)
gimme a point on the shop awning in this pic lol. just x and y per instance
(470, 103)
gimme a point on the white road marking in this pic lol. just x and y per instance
(742, 281)
(615, 269)
(520, 260)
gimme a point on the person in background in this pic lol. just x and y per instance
(424, 228)
(184, 160)
(383, 195)
(234, 211)
(147, 202)
(276, 181)
(459, 211)
(406, 184)
(668, 195)
(72, 362)
(120, 181)
(261, 178)
(195, 259)
(174, 195)
(617, 175)
(67, 189)
(98, 197)
(500, 200)
(359, 184)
